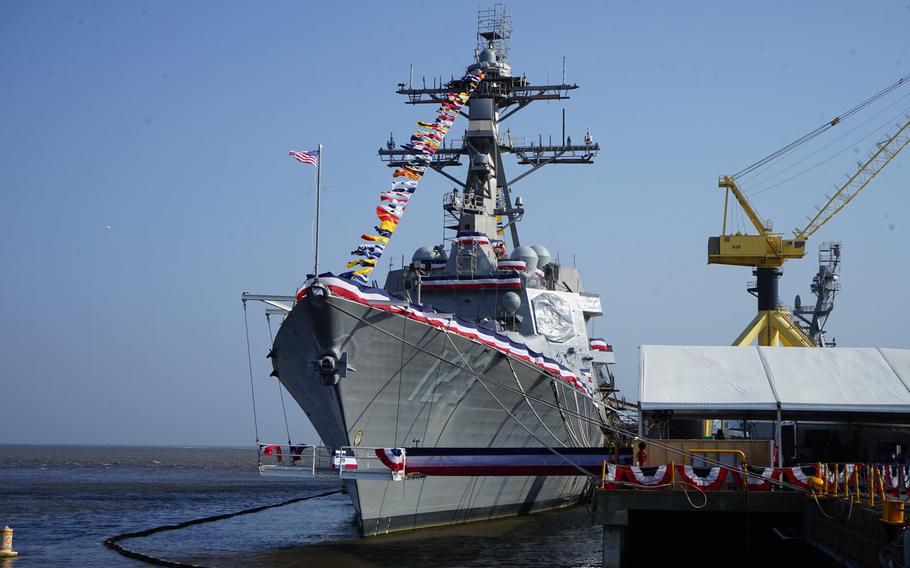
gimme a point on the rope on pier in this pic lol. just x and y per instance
(113, 541)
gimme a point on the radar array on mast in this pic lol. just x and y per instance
(496, 99)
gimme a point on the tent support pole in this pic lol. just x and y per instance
(777, 436)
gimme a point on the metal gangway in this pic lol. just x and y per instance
(398, 464)
(347, 462)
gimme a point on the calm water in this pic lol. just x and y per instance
(62, 502)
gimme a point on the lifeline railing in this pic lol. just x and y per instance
(303, 460)
(347, 462)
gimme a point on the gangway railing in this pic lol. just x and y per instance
(364, 462)
(397, 464)
(303, 460)
(347, 462)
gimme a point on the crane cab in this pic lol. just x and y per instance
(754, 250)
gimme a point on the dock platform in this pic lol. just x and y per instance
(742, 527)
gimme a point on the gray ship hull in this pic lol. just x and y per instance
(410, 384)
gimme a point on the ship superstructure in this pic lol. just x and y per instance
(480, 342)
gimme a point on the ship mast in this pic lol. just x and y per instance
(483, 202)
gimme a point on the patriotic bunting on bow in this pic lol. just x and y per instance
(419, 153)
(380, 299)
(393, 458)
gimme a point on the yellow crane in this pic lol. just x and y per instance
(767, 251)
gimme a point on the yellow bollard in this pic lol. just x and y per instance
(856, 496)
(6, 549)
(892, 512)
(817, 485)
(881, 485)
(846, 485)
(870, 482)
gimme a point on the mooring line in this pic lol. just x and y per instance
(112, 541)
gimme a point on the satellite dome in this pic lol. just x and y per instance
(423, 254)
(510, 303)
(528, 255)
(543, 255)
(487, 56)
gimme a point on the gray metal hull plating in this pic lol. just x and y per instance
(421, 391)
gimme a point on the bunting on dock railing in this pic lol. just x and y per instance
(612, 474)
(706, 478)
(841, 475)
(381, 300)
(759, 478)
(648, 476)
(418, 155)
(894, 475)
(799, 475)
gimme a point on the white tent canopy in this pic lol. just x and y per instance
(762, 380)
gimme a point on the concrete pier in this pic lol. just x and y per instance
(642, 527)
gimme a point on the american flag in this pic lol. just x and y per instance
(310, 157)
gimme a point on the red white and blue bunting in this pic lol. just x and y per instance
(648, 476)
(466, 238)
(599, 344)
(613, 474)
(895, 474)
(419, 154)
(470, 282)
(705, 478)
(380, 299)
(393, 458)
(760, 478)
(516, 265)
(799, 475)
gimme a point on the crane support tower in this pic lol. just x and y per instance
(825, 286)
(767, 251)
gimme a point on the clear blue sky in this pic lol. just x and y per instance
(146, 183)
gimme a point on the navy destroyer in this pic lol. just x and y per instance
(479, 342)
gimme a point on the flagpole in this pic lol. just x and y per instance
(318, 172)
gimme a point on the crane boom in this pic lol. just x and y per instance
(729, 184)
(863, 175)
(767, 251)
